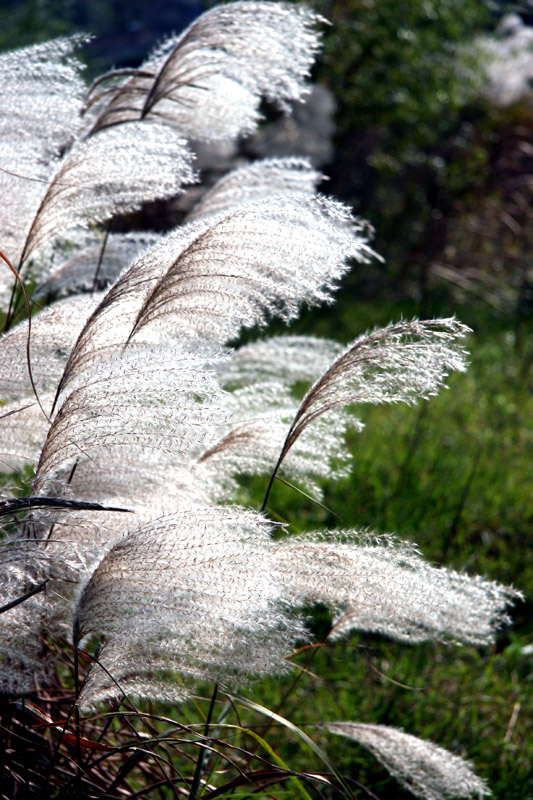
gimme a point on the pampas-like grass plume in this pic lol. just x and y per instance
(172, 596)
(426, 770)
(41, 92)
(258, 181)
(255, 261)
(94, 265)
(223, 272)
(189, 594)
(99, 179)
(54, 332)
(382, 585)
(208, 82)
(403, 362)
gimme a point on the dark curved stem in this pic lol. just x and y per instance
(20, 282)
(203, 750)
(17, 504)
(100, 258)
(36, 589)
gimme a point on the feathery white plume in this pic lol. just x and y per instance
(403, 362)
(208, 82)
(220, 273)
(23, 429)
(207, 593)
(95, 265)
(257, 181)
(26, 565)
(426, 770)
(150, 405)
(40, 100)
(261, 409)
(382, 585)
(190, 593)
(259, 418)
(287, 359)
(112, 173)
(40, 92)
(108, 328)
(53, 333)
(257, 260)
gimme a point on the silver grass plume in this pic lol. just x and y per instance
(285, 359)
(95, 265)
(208, 82)
(208, 594)
(23, 426)
(261, 407)
(259, 416)
(41, 94)
(136, 483)
(127, 434)
(151, 405)
(109, 326)
(256, 181)
(261, 259)
(41, 90)
(382, 585)
(109, 174)
(23, 429)
(402, 362)
(148, 412)
(190, 593)
(223, 272)
(426, 770)
(27, 565)
(54, 332)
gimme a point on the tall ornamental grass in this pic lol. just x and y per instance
(133, 569)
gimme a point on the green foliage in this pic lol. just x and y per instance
(32, 21)
(400, 66)
(403, 77)
(482, 700)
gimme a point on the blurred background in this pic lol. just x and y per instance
(422, 121)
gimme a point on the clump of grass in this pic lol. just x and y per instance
(135, 576)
